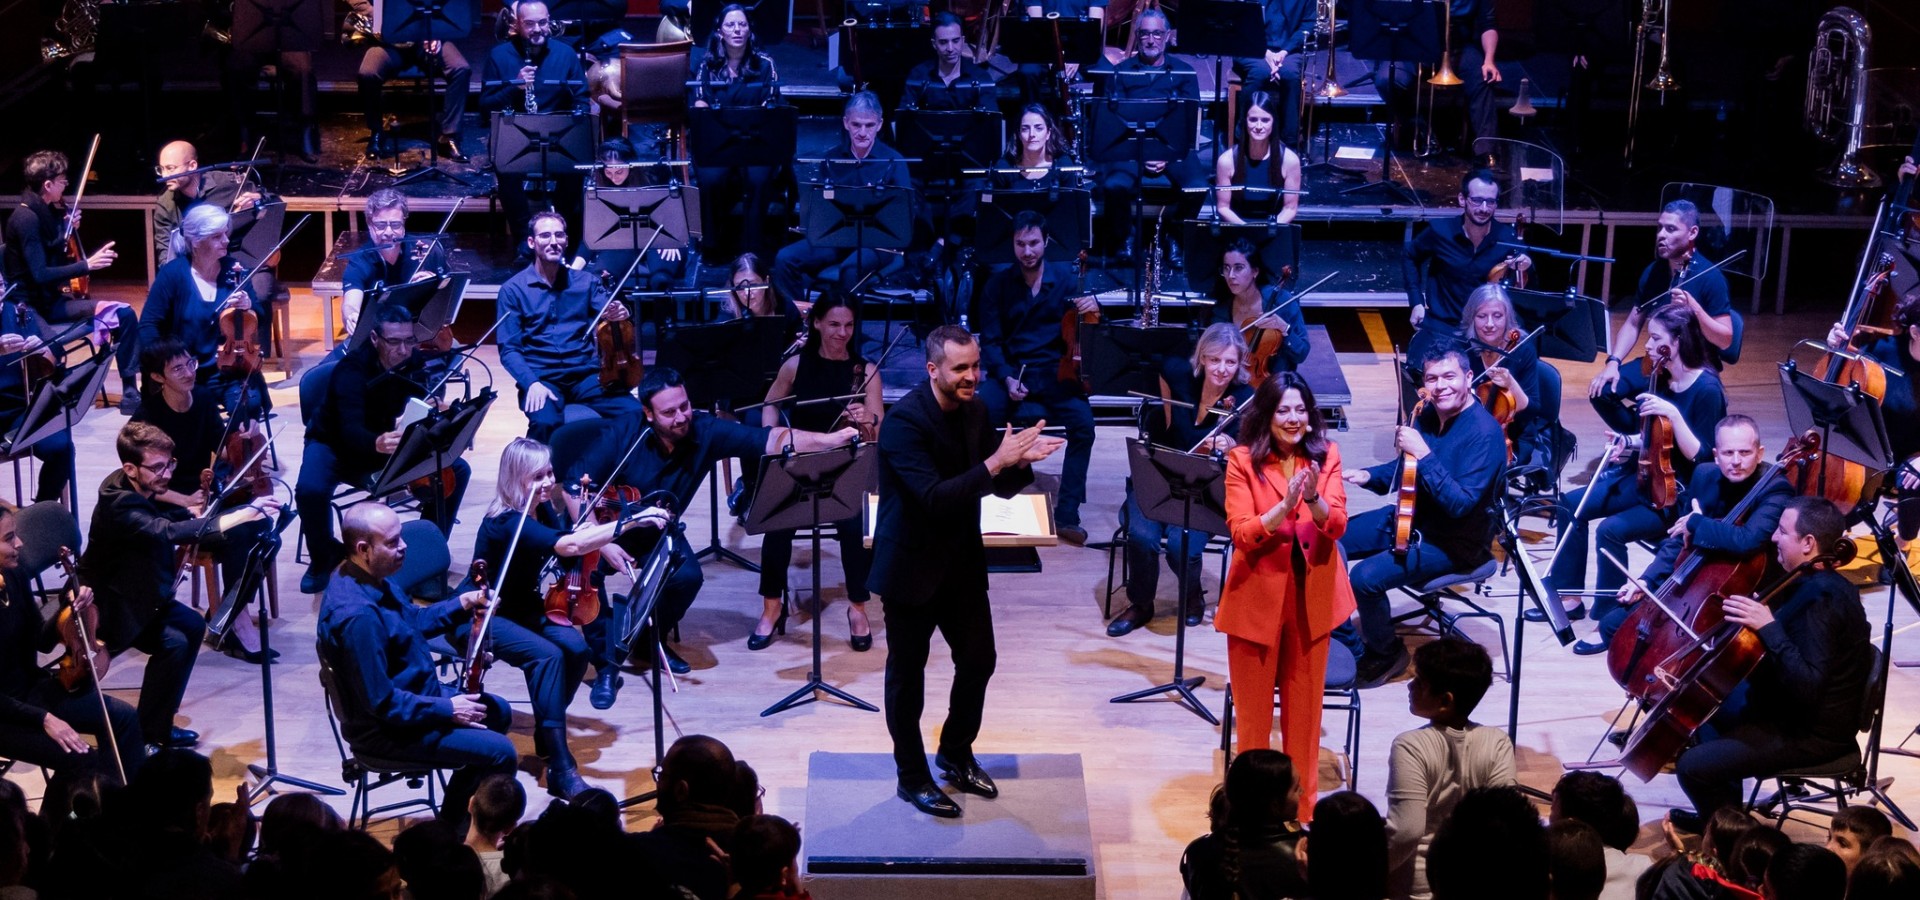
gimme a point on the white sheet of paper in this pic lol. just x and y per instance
(1542, 175)
(1015, 516)
(1353, 153)
(416, 410)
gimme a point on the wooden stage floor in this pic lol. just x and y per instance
(1150, 766)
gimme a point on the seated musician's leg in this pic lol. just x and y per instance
(376, 66)
(311, 496)
(55, 453)
(1067, 409)
(1615, 493)
(796, 265)
(459, 81)
(1711, 772)
(1144, 537)
(542, 422)
(1637, 523)
(172, 644)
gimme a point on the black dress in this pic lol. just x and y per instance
(813, 378)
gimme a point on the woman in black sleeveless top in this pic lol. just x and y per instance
(1257, 160)
(826, 366)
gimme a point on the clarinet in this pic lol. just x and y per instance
(533, 106)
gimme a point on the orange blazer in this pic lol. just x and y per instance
(1260, 583)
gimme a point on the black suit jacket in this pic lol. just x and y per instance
(928, 533)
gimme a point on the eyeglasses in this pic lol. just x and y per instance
(392, 342)
(169, 170)
(379, 225)
(1483, 201)
(163, 468)
(1151, 35)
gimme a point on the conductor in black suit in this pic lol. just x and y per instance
(938, 457)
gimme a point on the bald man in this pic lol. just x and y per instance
(182, 192)
(390, 702)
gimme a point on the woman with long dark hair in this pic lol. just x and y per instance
(1347, 849)
(1035, 147)
(828, 365)
(1244, 295)
(1259, 163)
(1288, 589)
(733, 74)
(1252, 850)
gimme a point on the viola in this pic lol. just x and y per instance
(478, 658)
(1505, 272)
(81, 285)
(239, 353)
(1498, 400)
(573, 599)
(618, 343)
(1657, 478)
(1408, 490)
(249, 482)
(1070, 322)
(86, 659)
(1697, 679)
(1262, 344)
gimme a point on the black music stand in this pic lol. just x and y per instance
(1121, 357)
(427, 20)
(668, 215)
(1029, 40)
(256, 230)
(737, 136)
(268, 28)
(859, 218)
(946, 142)
(1395, 31)
(804, 491)
(429, 446)
(648, 583)
(1223, 29)
(1069, 213)
(1847, 419)
(58, 405)
(540, 146)
(1576, 325)
(1187, 490)
(1278, 247)
(719, 363)
(878, 57)
(252, 585)
(1136, 131)
(434, 303)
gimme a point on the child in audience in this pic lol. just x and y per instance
(1346, 850)
(1602, 803)
(1576, 867)
(496, 807)
(1251, 853)
(1853, 829)
(1432, 767)
(766, 859)
(1804, 872)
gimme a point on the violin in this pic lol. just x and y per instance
(1498, 400)
(239, 353)
(249, 483)
(478, 657)
(1657, 478)
(1505, 272)
(1070, 322)
(1696, 680)
(1408, 490)
(618, 343)
(1262, 344)
(573, 599)
(87, 658)
(81, 285)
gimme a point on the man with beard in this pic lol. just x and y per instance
(938, 457)
(532, 62)
(1448, 258)
(1677, 261)
(545, 344)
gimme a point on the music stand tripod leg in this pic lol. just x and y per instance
(1182, 685)
(270, 774)
(809, 692)
(714, 549)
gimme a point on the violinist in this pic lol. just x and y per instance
(1200, 392)
(828, 365)
(1690, 398)
(181, 192)
(389, 260)
(877, 165)
(41, 722)
(1802, 705)
(552, 656)
(1708, 525)
(1021, 353)
(1259, 162)
(190, 415)
(735, 74)
(674, 448)
(1266, 314)
(189, 295)
(129, 562)
(751, 294)
(1448, 258)
(38, 260)
(355, 431)
(1457, 447)
(1277, 71)
(545, 342)
(1676, 261)
(374, 637)
(1490, 330)
(23, 354)
(1899, 353)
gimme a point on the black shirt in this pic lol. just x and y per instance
(559, 82)
(1900, 408)
(1185, 387)
(520, 597)
(756, 86)
(36, 257)
(1443, 266)
(878, 169)
(1713, 529)
(709, 440)
(367, 269)
(1020, 328)
(23, 635)
(171, 206)
(971, 89)
(364, 400)
(1703, 404)
(129, 557)
(1709, 289)
(543, 327)
(1132, 79)
(176, 308)
(1813, 679)
(1287, 24)
(814, 377)
(377, 644)
(195, 432)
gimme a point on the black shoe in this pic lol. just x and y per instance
(757, 641)
(1589, 648)
(968, 777)
(1573, 615)
(1128, 622)
(450, 150)
(231, 647)
(860, 643)
(606, 687)
(1685, 820)
(737, 498)
(129, 400)
(1373, 671)
(1196, 612)
(180, 739)
(928, 799)
(313, 581)
(1618, 738)
(675, 664)
(1176, 260)
(564, 781)
(376, 143)
(1073, 534)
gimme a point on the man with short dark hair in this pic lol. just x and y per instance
(545, 340)
(939, 455)
(531, 61)
(950, 80)
(1446, 259)
(373, 638)
(1678, 274)
(1802, 704)
(129, 562)
(1020, 352)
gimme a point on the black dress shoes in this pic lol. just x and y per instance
(1589, 648)
(1196, 612)
(675, 663)
(1573, 615)
(606, 687)
(1073, 534)
(928, 799)
(181, 739)
(450, 150)
(1128, 622)
(967, 776)
(1685, 820)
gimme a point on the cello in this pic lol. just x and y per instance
(1696, 680)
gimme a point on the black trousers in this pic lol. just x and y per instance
(172, 644)
(1284, 84)
(1734, 746)
(81, 709)
(776, 556)
(381, 63)
(552, 657)
(965, 619)
(125, 330)
(478, 752)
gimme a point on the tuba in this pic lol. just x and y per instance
(1836, 105)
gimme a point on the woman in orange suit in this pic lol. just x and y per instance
(1287, 589)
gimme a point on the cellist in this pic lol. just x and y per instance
(553, 657)
(1689, 396)
(1802, 705)
(1899, 354)
(1708, 525)
(1021, 353)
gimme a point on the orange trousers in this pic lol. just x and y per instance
(1297, 665)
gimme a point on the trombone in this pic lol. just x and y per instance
(1656, 17)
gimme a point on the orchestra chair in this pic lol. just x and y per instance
(1731, 355)
(1466, 588)
(1117, 559)
(1342, 695)
(44, 528)
(653, 88)
(206, 570)
(366, 774)
(1825, 788)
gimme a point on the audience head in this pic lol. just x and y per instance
(1576, 862)
(497, 805)
(1493, 847)
(1347, 849)
(436, 865)
(600, 804)
(765, 855)
(1261, 790)
(14, 849)
(230, 832)
(348, 865)
(697, 771)
(1804, 872)
(76, 793)
(538, 887)
(294, 821)
(1884, 876)
(1747, 862)
(1449, 678)
(745, 798)
(1723, 832)
(1598, 800)
(173, 792)
(1854, 829)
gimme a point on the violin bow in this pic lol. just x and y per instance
(433, 240)
(614, 295)
(1222, 424)
(1482, 377)
(1667, 294)
(1295, 298)
(873, 369)
(80, 190)
(246, 175)
(499, 582)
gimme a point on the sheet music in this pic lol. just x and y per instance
(1018, 516)
(416, 410)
